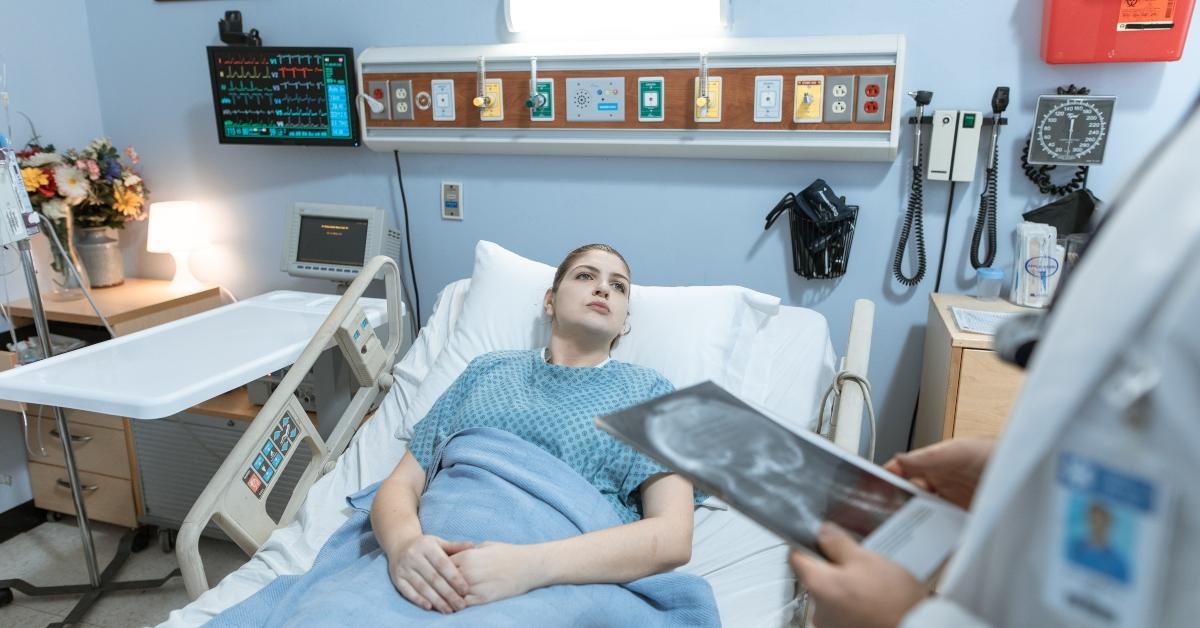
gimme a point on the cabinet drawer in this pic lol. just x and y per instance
(987, 389)
(97, 449)
(8, 360)
(107, 499)
(79, 416)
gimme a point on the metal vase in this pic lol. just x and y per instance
(101, 255)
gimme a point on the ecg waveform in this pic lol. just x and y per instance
(266, 94)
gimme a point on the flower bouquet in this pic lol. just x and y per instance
(87, 188)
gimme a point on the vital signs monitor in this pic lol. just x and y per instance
(334, 241)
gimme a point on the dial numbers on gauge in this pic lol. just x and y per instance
(1071, 130)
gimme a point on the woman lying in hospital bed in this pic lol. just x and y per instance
(523, 494)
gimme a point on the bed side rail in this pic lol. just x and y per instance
(236, 497)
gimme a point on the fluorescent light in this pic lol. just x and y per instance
(617, 17)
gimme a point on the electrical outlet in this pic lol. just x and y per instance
(379, 91)
(452, 200)
(402, 100)
(839, 98)
(872, 98)
(443, 99)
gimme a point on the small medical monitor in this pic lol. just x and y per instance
(334, 241)
(277, 95)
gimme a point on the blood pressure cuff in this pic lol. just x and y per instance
(1069, 214)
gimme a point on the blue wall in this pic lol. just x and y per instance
(678, 221)
(48, 51)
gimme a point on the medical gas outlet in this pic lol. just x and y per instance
(808, 90)
(768, 98)
(651, 99)
(491, 102)
(708, 101)
(541, 103)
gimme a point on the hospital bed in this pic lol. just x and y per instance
(791, 363)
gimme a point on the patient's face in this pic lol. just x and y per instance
(593, 298)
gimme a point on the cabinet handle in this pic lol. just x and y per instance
(75, 438)
(88, 488)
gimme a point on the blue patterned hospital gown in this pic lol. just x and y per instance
(552, 407)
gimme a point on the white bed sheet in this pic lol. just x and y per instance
(792, 362)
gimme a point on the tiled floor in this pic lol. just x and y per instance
(52, 554)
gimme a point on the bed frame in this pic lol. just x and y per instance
(243, 516)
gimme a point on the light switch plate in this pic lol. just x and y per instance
(768, 98)
(452, 200)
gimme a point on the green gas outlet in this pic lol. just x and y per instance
(650, 99)
(545, 112)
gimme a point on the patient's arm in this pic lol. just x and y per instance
(661, 541)
(418, 564)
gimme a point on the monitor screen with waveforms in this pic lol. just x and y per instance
(274, 95)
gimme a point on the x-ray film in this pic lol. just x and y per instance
(788, 482)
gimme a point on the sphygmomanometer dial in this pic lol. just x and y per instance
(1071, 130)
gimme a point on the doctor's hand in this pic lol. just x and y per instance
(950, 469)
(495, 571)
(422, 571)
(857, 588)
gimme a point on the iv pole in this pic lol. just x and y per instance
(99, 582)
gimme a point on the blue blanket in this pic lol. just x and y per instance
(484, 485)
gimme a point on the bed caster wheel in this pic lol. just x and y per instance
(166, 541)
(141, 539)
(52, 516)
(6, 596)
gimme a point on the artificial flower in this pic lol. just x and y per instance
(93, 169)
(133, 156)
(127, 201)
(131, 180)
(55, 209)
(43, 159)
(71, 183)
(34, 178)
(50, 188)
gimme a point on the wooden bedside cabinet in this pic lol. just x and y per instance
(965, 389)
(103, 444)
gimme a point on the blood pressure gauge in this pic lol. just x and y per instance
(1071, 130)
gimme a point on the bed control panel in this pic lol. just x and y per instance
(268, 462)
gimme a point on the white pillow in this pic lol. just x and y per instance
(688, 334)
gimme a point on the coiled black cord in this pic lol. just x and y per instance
(987, 217)
(914, 222)
(1040, 175)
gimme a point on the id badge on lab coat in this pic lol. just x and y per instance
(1112, 500)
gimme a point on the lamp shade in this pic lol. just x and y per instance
(175, 226)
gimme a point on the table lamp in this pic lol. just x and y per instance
(176, 227)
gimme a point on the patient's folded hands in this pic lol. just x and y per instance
(495, 571)
(425, 574)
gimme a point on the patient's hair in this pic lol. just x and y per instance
(573, 256)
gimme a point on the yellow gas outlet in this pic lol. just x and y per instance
(708, 110)
(493, 89)
(807, 102)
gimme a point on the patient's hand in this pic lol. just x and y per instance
(423, 572)
(495, 571)
(950, 469)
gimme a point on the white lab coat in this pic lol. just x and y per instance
(1133, 304)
